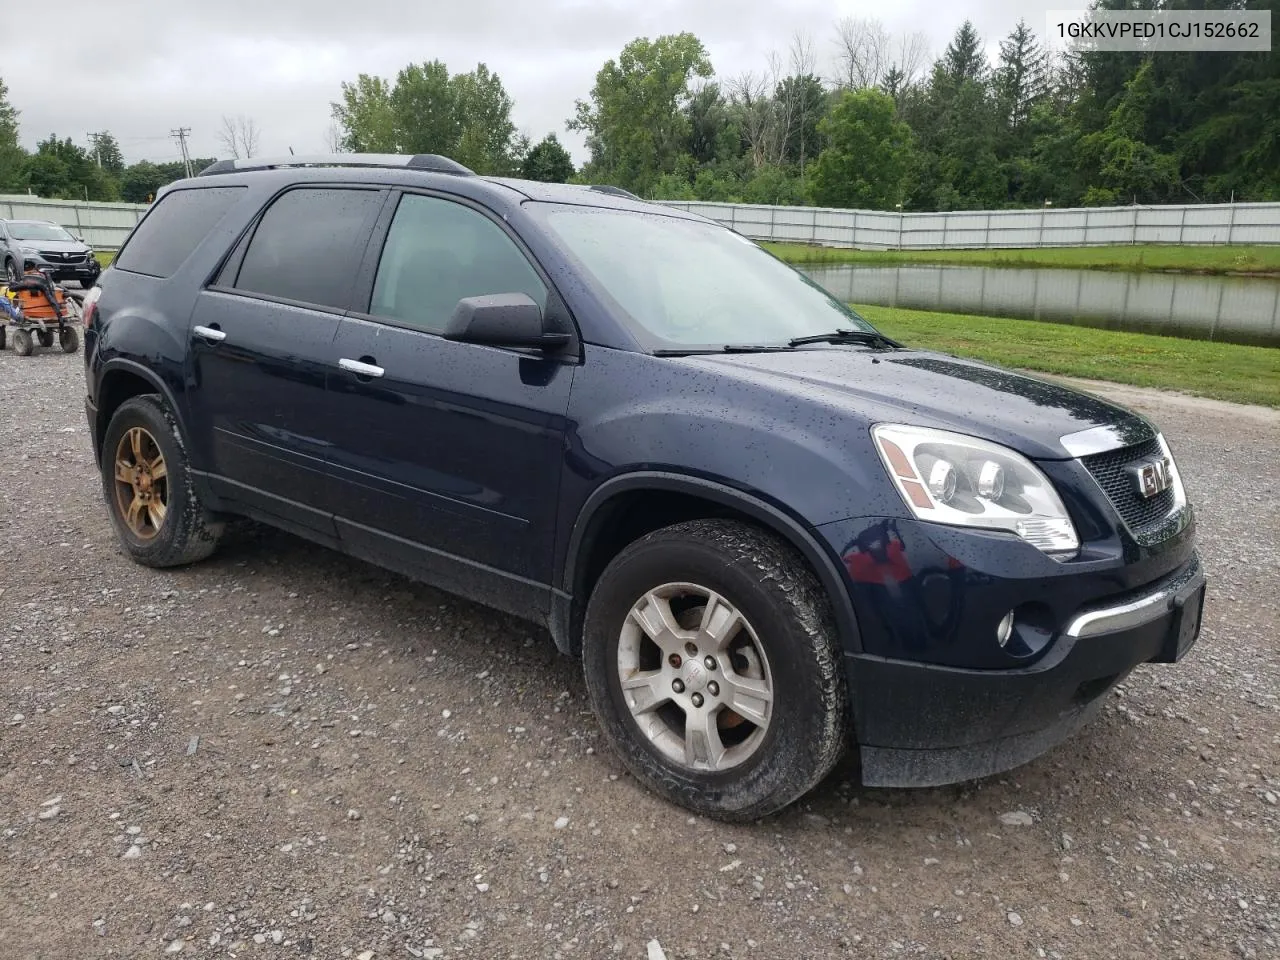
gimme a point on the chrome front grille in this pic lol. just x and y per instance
(1111, 471)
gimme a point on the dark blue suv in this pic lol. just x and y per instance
(769, 531)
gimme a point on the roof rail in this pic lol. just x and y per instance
(613, 191)
(430, 162)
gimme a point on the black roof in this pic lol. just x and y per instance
(406, 169)
(394, 161)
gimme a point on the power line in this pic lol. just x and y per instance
(181, 136)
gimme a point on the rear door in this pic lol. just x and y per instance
(448, 457)
(262, 339)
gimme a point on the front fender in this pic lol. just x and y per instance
(632, 412)
(774, 517)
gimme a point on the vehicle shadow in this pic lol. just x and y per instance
(1099, 760)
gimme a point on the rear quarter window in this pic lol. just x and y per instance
(173, 228)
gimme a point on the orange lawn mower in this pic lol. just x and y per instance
(35, 310)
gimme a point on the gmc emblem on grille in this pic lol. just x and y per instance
(1152, 476)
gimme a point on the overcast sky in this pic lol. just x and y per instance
(153, 65)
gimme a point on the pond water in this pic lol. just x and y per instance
(1234, 309)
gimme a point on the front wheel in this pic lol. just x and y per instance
(68, 339)
(147, 484)
(712, 663)
(22, 343)
(44, 338)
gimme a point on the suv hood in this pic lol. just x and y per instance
(53, 246)
(936, 390)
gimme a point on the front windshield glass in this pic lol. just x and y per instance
(690, 284)
(38, 231)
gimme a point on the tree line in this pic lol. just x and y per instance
(882, 126)
(61, 169)
(886, 128)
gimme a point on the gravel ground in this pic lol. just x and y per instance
(284, 752)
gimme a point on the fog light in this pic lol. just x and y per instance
(1005, 630)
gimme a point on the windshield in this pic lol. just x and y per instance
(688, 284)
(37, 231)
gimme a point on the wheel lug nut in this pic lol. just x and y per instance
(675, 660)
(697, 699)
(678, 686)
(713, 688)
(710, 662)
(691, 649)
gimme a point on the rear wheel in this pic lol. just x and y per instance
(712, 662)
(147, 484)
(68, 339)
(22, 343)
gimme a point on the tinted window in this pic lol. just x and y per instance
(308, 244)
(438, 252)
(173, 228)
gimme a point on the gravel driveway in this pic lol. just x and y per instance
(283, 752)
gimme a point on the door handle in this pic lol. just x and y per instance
(212, 334)
(360, 368)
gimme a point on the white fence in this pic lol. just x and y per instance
(103, 225)
(1049, 227)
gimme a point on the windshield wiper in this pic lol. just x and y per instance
(868, 337)
(727, 348)
(756, 347)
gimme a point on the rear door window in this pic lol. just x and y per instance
(173, 228)
(308, 245)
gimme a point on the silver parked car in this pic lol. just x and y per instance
(45, 245)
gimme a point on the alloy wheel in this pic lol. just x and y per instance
(141, 483)
(695, 677)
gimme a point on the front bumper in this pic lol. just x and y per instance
(87, 271)
(921, 724)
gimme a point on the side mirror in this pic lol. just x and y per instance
(501, 319)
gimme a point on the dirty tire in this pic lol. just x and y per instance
(68, 339)
(774, 589)
(44, 338)
(3, 335)
(22, 343)
(188, 533)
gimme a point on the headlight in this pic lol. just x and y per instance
(963, 481)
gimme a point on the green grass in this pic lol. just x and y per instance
(105, 257)
(1223, 371)
(1257, 259)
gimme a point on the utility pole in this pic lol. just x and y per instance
(94, 138)
(181, 136)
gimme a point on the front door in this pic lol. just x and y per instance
(263, 347)
(447, 454)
